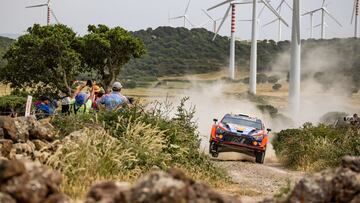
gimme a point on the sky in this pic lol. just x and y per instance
(142, 14)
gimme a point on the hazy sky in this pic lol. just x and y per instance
(141, 14)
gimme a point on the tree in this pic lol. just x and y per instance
(105, 51)
(43, 60)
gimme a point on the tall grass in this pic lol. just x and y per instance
(125, 144)
(313, 148)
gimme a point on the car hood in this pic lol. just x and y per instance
(243, 130)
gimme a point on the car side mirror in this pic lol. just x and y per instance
(215, 120)
(268, 130)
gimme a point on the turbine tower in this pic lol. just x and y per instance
(356, 16)
(49, 11)
(294, 89)
(184, 16)
(278, 20)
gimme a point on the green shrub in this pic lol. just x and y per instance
(276, 86)
(268, 109)
(143, 140)
(313, 148)
(261, 78)
(12, 104)
(273, 79)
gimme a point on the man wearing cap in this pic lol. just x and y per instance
(115, 100)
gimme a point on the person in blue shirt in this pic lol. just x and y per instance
(44, 108)
(115, 100)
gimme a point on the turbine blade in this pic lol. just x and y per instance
(274, 12)
(222, 22)
(261, 11)
(187, 7)
(281, 3)
(206, 13)
(173, 18)
(310, 12)
(288, 5)
(332, 17)
(53, 14)
(316, 26)
(323, 3)
(187, 19)
(271, 22)
(40, 5)
(220, 4)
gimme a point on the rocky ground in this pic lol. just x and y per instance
(31, 182)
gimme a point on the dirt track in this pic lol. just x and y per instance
(254, 182)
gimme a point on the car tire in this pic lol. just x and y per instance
(214, 154)
(259, 157)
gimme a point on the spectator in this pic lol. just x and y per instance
(81, 102)
(43, 108)
(115, 100)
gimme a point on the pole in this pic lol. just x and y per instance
(48, 14)
(356, 18)
(232, 45)
(311, 25)
(214, 26)
(294, 94)
(184, 22)
(253, 57)
(322, 23)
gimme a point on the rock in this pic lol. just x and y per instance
(5, 147)
(340, 185)
(9, 169)
(5, 198)
(43, 131)
(30, 182)
(7, 124)
(159, 187)
(109, 192)
(39, 144)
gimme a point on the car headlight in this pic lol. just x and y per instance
(219, 131)
(258, 136)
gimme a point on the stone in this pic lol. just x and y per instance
(5, 147)
(9, 169)
(7, 124)
(5, 198)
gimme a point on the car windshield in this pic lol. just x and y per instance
(242, 122)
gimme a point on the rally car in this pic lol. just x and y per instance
(239, 133)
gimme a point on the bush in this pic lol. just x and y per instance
(268, 109)
(273, 79)
(261, 78)
(313, 148)
(276, 86)
(12, 105)
(141, 140)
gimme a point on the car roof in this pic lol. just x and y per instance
(243, 116)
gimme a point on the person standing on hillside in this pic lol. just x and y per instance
(115, 100)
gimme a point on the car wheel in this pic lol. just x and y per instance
(260, 157)
(214, 154)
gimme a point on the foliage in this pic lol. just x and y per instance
(261, 78)
(12, 104)
(268, 109)
(143, 140)
(273, 79)
(313, 148)
(276, 86)
(105, 50)
(44, 59)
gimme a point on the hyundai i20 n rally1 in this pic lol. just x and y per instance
(239, 133)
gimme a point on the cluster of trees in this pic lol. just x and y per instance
(48, 58)
(170, 51)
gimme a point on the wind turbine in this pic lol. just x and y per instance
(214, 21)
(279, 9)
(184, 16)
(49, 11)
(324, 12)
(294, 86)
(356, 16)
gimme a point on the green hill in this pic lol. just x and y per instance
(4, 44)
(176, 51)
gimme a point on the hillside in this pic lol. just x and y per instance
(176, 51)
(4, 44)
